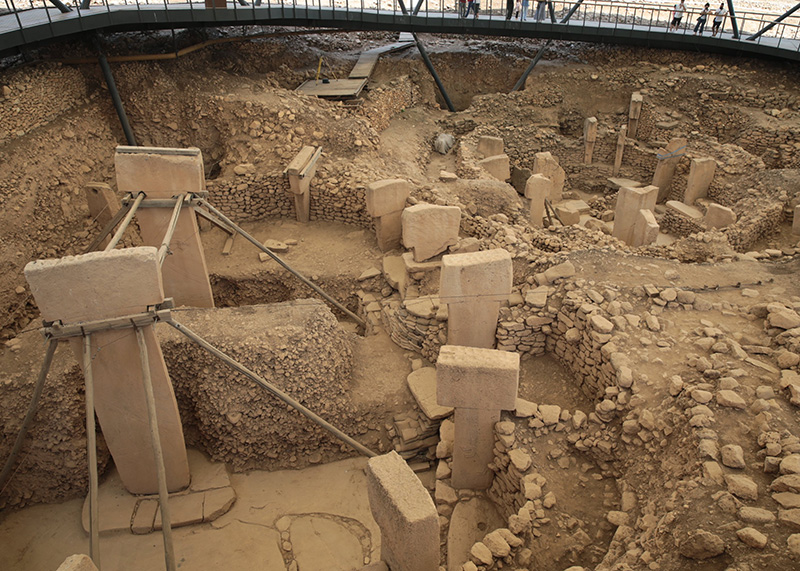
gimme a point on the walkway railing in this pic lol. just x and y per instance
(600, 18)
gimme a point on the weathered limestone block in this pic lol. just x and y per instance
(405, 513)
(78, 562)
(645, 229)
(701, 174)
(498, 166)
(589, 138)
(490, 146)
(796, 220)
(301, 172)
(164, 173)
(634, 113)
(668, 159)
(473, 285)
(103, 285)
(429, 229)
(103, 203)
(385, 202)
(685, 210)
(537, 189)
(629, 202)
(623, 134)
(547, 164)
(718, 216)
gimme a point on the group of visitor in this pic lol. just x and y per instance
(518, 11)
(680, 9)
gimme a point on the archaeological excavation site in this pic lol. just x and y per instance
(302, 299)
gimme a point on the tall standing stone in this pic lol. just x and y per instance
(479, 383)
(547, 164)
(165, 173)
(589, 138)
(386, 200)
(626, 214)
(623, 134)
(473, 285)
(668, 159)
(405, 513)
(634, 113)
(701, 174)
(537, 189)
(301, 172)
(429, 229)
(104, 285)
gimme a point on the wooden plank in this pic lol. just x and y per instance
(364, 66)
(334, 88)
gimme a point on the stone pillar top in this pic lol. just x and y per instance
(97, 285)
(386, 196)
(472, 377)
(160, 172)
(487, 273)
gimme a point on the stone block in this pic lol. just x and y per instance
(422, 384)
(645, 229)
(796, 221)
(685, 210)
(79, 562)
(389, 231)
(498, 166)
(718, 216)
(473, 448)
(547, 164)
(634, 113)
(405, 513)
(490, 146)
(387, 196)
(98, 285)
(589, 138)
(701, 174)
(537, 189)
(668, 159)
(472, 377)
(629, 202)
(568, 215)
(429, 229)
(103, 203)
(160, 172)
(476, 276)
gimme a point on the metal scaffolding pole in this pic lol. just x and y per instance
(173, 222)
(61, 6)
(774, 23)
(112, 89)
(91, 449)
(572, 10)
(272, 389)
(734, 25)
(121, 230)
(521, 82)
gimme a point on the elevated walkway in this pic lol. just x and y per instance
(32, 26)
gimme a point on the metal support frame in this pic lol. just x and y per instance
(774, 23)
(734, 25)
(91, 448)
(572, 10)
(173, 223)
(277, 258)
(112, 89)
(26, 423)
(107, 229)
(424, 53)
(552, 12)
(85, 4)
(63, 8)
(272, 389)
(214, 220)
(158, 453)
(129, 216)
(418, 7)
(521, 82)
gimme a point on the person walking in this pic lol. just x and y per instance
(677, 16)
(517, 9)
(524, 13)
(719, 17)
(509, 9)
(474, 6)
(541, 9)
(701, 20)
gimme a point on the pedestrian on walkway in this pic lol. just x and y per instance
(474, 6)
(701, 20)
(509, 9)
(517, 9)
(677, 16)
(719, 17)
(541, 9)
(524, 13)
(462, 8)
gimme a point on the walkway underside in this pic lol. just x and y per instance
(41, 25)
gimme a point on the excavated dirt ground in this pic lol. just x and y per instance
(744, 113)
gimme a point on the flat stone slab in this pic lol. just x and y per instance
(617, 183)
(685, 210)
(477, 378)
(422, 384)
(324, 543)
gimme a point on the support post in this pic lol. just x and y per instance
(26, 424)
(521, 82)
(173, 222)
(277, 258)
(734, 25)
(424, 53)
(124, 226)
(91, 448)
(155, 438)
(574, 8)
(61, 6)
(417, 7)
(272, 389)
(112, 88)
(109, 227)
(774, 23)
(552, 12)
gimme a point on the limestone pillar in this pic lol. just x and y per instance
(547, 164)
(104, 285)
(498, 166)
(537, 189)
(473, 285)
(634, 113)
(623, 133)
(701, 174)
(629, 202)
(490, 146)
(479, 383)
(405, 513)
(164, 173)
(645, 229)
(796, 220)
(301, 171)
(668, 159)
(385, 202)
(718, 216)
(429, 229)
(589, 138)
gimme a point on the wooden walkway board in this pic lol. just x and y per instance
(367, 60)
(336, 88)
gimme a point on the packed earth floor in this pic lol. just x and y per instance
(657, 424)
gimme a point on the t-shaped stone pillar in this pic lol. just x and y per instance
(626, 215)
(164, 173)
(537, 189)
(479, 383)
(546, 164)
(589, 138)
(634, 113)
(701, 174)
(104, 285)
(386, 200)
(623, 133)
(473, 285)
(668, 159)
(404, 511)
(300, 172)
